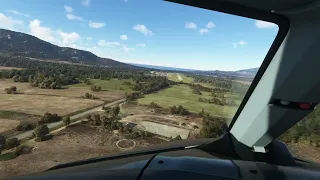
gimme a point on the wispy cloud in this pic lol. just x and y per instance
(68, 9)
(89, 38)
(96, 25)
(143, 29)
(141, 45)
(264, 25)
(86, 3)
(108, 44)
(210, 25)
(239, 43)
(190, 25)
(127, 49)
(204, 30)
(8, 22)
(19, 13)
(73, 17)
(124, 37)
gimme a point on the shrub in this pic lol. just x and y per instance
(24, 127)
(11, 143)
(135, 135)
(11, 90)
(41, 130)
(213, 127)
(22, 150)
(46, 137)
(177, 138)
(66, 120)
(154, 105)
(49, 118)
(2, 143)
(179, 110)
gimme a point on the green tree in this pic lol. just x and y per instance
(66, 120)
(177, 138)
(41, 131)
(115, 110)
(2, 143)
(11, 143)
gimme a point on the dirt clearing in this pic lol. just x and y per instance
(9, 68)
(78, 142)
(40, 104)
(8, 124)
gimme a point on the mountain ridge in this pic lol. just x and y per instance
(26, 45)
(249, 73)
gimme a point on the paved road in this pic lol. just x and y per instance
(56, 124)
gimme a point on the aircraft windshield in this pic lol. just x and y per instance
(85, 78)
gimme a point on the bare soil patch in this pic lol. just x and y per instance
(9, 68)
(40, 104)
(136, 113)
(8, 124)
(72, 144)
(305, 151)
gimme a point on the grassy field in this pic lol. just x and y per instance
(182, 95)
(7, 156)
(111, 85)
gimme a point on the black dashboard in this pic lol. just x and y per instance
(178, 164)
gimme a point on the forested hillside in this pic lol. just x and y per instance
(21, 44)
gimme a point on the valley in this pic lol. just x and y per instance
(54, 97)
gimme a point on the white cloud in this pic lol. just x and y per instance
(57, 37)
(89, 38)
(41, 32)
(240, 43)
(69, 38)
(204, 30)
(190, 25)
(9, 23)
(141, 45)
(73, 17)
(124, 37)
(109, 44)
(210, 25)
(18, 13)
(68, 9)
(86, 3)
(264, 25)
(96, 25)
(143, 29)
(127, 49)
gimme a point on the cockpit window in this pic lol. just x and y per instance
(86, 78)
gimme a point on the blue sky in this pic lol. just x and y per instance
(144, 31)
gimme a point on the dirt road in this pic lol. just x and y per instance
(56, 124)
(179, 77)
